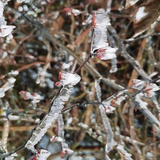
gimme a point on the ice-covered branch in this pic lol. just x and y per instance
(67, 80)
(126, 55)
(100, 45)
(108, 129)
(147, 90)
(114, 101)
(105, 120)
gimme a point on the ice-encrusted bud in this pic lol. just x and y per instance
(6, 30)
(69, 78)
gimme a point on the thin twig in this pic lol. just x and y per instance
(141, 37)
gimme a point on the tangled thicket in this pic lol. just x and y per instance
(79, 79)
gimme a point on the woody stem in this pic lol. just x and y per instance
(79, 68)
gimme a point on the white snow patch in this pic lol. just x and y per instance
(140, 13)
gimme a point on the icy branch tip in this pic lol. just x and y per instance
(100, 18)
(68, 78)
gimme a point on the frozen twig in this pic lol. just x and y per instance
(65, 148)
(112, 84)
(114, 100)
(146, 89)
(141, 37)
(67, 80)
(40, 131)
(98, 89)
(108, 129)
(105, 120)
(126, 55)
(147, 113)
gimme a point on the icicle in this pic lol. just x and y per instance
(110, 142)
